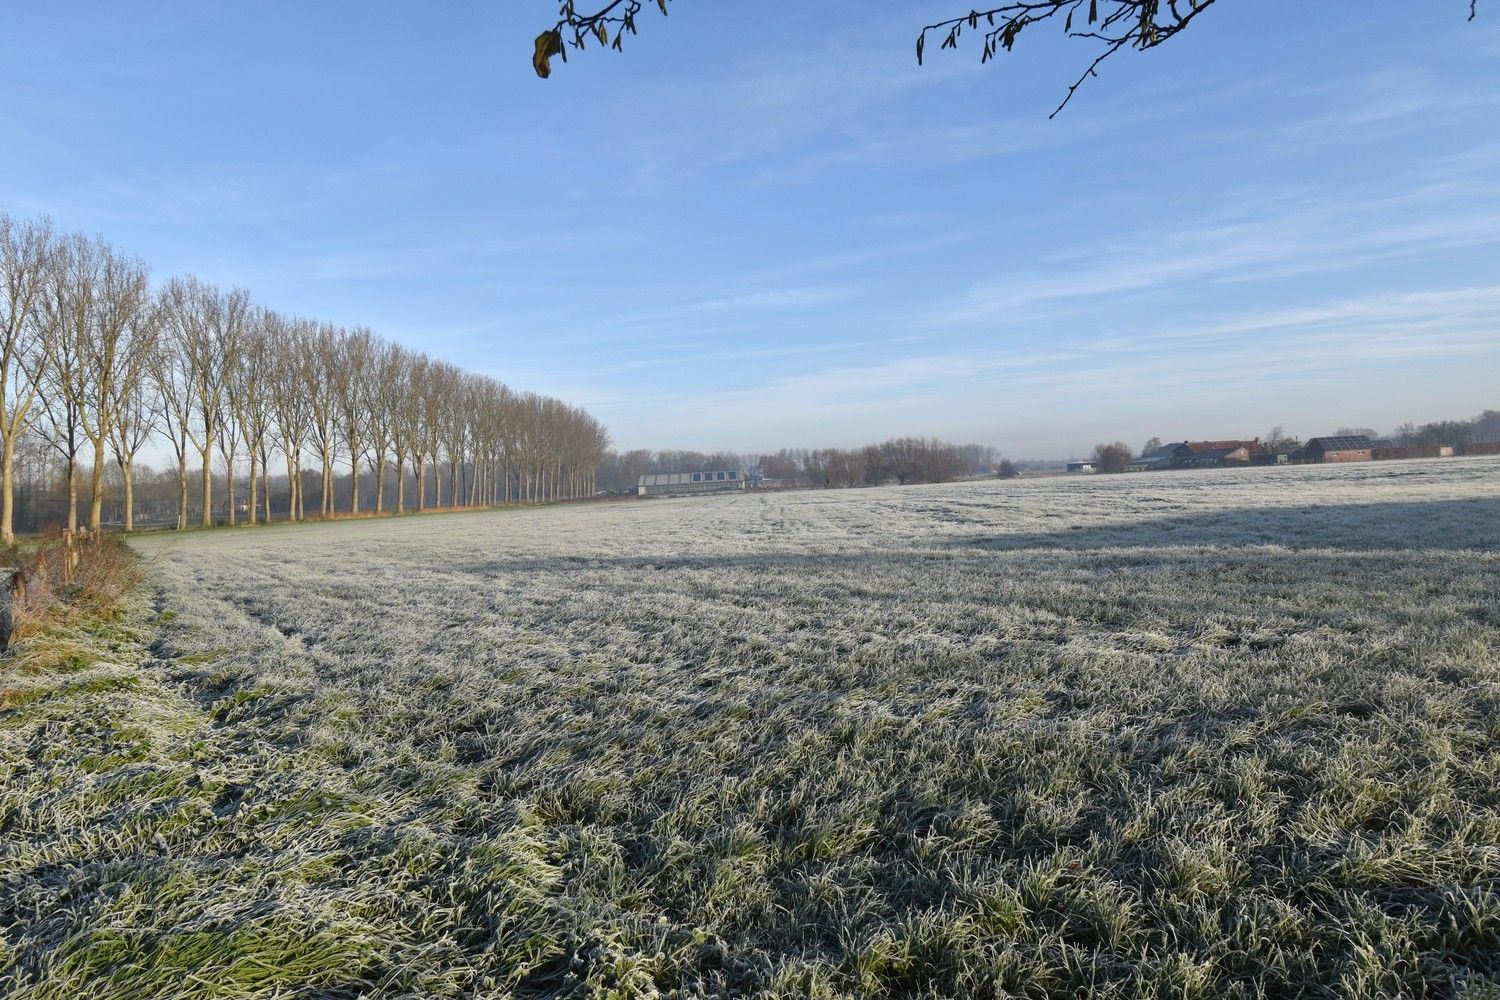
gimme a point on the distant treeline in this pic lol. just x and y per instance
(97, 366)
(1449, 433)
(899, 460)
(1439, 433)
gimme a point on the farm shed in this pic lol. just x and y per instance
(684, 483)
(1080, 466)
(1342, 448)
(1213, 458)
(1163, 457)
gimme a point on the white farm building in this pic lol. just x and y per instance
(683, 483)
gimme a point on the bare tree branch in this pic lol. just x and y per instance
(1117, 24)
(1137, 24)
(585, 28)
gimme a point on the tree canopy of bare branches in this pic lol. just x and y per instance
(1113, 457)
(92, 357)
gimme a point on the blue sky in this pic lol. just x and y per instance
(763, 225)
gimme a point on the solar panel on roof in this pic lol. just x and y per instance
(1344, 442)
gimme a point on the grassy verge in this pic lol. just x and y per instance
(132, 866)
(170, 828)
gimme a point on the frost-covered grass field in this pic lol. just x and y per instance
(1182, 734)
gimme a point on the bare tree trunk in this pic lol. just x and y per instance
(182, 493)
(326, 500)
(208, 488)
(400, 484)
(127, 473)
(353, 478)
(293, 484)
(380, 486)
(230, 486)
(96, 502)
(254, 490)
(421, 475)
(8, 490)
(72, 495)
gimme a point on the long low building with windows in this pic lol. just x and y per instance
(678, 484)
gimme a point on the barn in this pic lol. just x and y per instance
(1212, 454)
(1340, 448)
(678, 484)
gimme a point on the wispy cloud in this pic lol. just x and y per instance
(778, 298)
(1268, 237)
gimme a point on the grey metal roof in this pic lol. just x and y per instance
(677, 478)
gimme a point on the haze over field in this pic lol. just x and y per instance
(772, 229)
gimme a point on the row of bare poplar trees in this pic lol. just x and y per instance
(105, 366)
